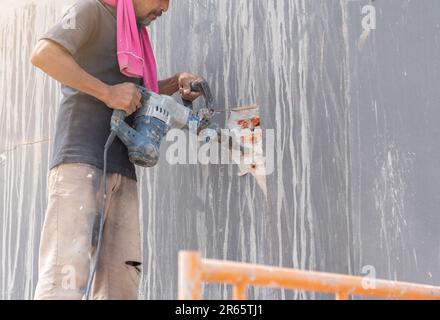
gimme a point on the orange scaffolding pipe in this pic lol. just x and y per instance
(193, 271)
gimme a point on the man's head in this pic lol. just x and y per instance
(148, 10)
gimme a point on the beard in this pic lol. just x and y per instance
(147, 20)
(144, 22)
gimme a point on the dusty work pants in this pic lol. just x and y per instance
(72, 221)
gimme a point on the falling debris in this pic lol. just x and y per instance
(247, 134)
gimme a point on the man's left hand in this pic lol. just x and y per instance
(184, 81)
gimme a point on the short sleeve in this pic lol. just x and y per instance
(76, 27)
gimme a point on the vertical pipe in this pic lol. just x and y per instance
(189, 282)
(239, 291)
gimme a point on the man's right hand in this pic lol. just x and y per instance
(125, 96)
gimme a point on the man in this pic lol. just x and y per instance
(84, 60)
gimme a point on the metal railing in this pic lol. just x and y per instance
(193, 271)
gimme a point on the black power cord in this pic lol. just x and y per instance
(108, 144)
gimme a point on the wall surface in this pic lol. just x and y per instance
(357, 171)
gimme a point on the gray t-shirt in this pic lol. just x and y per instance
(83, 122)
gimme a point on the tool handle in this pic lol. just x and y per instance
(144, 92)
(118, 117)
(195, 87)
(119, 114)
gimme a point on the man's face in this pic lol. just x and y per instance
(149, 10)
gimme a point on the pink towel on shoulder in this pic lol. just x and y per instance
(135, 54)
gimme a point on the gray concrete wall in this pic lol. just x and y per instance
(357, 176)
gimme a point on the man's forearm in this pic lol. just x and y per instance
(169, 86)
(60, 65)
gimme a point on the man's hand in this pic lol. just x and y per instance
(184, 80)
(123, 96)
(180, 82)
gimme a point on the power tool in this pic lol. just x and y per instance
(158, 114)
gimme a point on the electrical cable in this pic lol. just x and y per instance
(109, 142)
